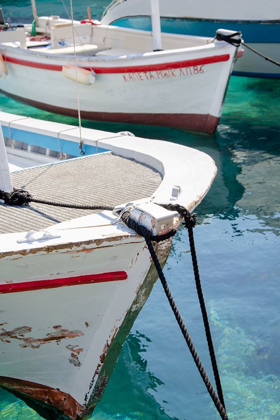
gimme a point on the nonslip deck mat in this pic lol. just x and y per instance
(104, 179)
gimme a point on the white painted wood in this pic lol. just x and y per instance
(5, 176)
(156, 25)
(216, 9)
(34, 11)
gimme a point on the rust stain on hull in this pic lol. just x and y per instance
(46, 395)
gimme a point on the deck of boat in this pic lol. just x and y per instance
(104, 179)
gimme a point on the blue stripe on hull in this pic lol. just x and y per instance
(258, 75)
(48, 142)
(252, 32)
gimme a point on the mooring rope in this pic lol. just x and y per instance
(260, 54)
(190, 222)
(18, 197)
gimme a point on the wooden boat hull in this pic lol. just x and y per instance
(183, 88)
(71, 288)
(259, 24)
(62, 350)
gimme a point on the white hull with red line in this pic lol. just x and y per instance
(120, 77)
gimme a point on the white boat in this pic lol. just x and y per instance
(73, 281)
(123, 75)
(259, 23)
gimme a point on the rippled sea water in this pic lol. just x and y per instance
(238, 246)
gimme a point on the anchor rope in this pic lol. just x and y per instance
(18, 197)
(190, 223)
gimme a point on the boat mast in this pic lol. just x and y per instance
(157, 46)
(33, 4)
(5, 176)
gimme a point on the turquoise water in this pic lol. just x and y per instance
(238, 242)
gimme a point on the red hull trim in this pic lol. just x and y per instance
(28, 286)
(201, 123)
(54, 400)
(129, 69)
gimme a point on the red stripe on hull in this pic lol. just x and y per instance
(68, 281)
(202, 123)
(129, 69)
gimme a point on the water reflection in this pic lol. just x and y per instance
(132, 385)
(250, 368)
(21, 11)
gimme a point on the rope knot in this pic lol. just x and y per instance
(229, 38)
(190, 220)
(17, 197)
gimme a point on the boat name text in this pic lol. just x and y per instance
(162, 74)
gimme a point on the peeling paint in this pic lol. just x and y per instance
(75, 349)
(107, 346)
(35, 343)
(17, 333)
(78, 247)
(74, 360)
(100, 386)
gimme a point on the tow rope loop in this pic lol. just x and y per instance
(229, 38)
(190, 222)
(19, 197)
(141, 230)
(261, 55)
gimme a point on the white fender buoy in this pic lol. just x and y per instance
(78, 74)
(3, 68)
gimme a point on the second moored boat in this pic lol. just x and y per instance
(124, 75)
